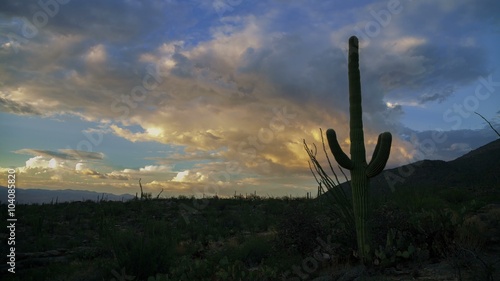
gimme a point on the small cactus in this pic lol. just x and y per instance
(360, 170)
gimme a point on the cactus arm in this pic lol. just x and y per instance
(380, 155)
(337, 151)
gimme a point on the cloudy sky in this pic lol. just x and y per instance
(216, 96)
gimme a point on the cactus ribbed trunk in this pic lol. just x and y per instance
(355, 107)
(360, 199)
(359, 180)
(360, 170)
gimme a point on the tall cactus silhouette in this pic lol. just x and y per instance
(360, 170)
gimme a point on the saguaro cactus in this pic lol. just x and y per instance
(360, 170)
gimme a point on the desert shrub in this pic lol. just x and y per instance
(415, 199)
(455, 195)
(253, 251)
(386, 217)
(227, 270)
(437, 228)
(298, 230)
(143, 253)
(400, 246)
(186, 268)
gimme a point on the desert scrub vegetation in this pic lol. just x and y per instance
(150, 237)
(235, 239)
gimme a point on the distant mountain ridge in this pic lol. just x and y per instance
(39, 196)
(477, 168)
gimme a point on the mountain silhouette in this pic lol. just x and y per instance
(40, 196)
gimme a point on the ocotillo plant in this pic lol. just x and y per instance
(360, 170)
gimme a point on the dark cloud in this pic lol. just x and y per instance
(47, 153)
(212, 136)
(448, 20)
(431, 71)
(300, 62)
(437, 96)
(446, 145)
(21, 108)
(113, 21)
(451, 63)
(487, 12)
(184, 67)
(63, 154)
(79, 154)
(300, 70)
(449, 56)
